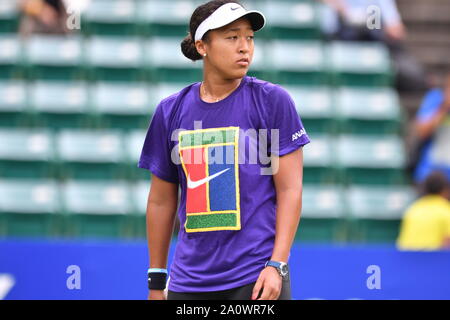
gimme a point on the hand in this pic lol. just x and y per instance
(48, 16)
(270, 282)
(157, 295)
(396, 32)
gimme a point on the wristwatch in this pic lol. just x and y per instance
(281, 267)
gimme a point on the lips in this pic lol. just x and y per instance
(243, 62)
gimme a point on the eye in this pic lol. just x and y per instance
(251, 37)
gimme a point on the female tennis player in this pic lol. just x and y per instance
(237, 223)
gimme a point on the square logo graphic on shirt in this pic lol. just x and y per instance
(209, 158)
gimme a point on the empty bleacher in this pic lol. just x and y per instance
(74, 111)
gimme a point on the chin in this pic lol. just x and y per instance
(240, 73)
(235, 74)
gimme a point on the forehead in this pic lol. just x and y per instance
(241, 24)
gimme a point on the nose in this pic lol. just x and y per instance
(244, 46)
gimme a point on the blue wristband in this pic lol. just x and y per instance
(157, 270)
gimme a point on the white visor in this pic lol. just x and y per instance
(226, 14)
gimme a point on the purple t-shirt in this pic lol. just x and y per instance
(219, 154)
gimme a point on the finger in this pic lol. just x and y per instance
(267, 292)
(277, 294)
(257, 288)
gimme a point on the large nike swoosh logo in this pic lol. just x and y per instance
(234, 8)
(194, 184)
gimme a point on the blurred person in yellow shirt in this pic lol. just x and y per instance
(426, 223)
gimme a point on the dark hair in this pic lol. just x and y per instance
(435, 183)
(198, 16)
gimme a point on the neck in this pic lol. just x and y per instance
(218, 88)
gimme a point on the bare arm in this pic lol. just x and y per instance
(161, 212)
(288, 185)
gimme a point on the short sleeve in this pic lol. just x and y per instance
(283, 116)
(156, 151)
(430, 105)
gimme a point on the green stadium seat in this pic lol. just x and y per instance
(359, 64)
(292, 20)
(318, 160)
(54, 57)
(91, 154)
(26, 153)
(376, 211)
(323, 215)
(97, 209)
(115, 58)
(9, 16)
(122, 105)
(134, 142)
(111, 17)
(59, 105)
(315, 107)
(258, 68)
(166, 62)
(140, 192)
(29, 208)
(13, 104)
(371, 160)
(10, 57)
(163, 90)
(368, 110)
(165, 18)
(298, 62)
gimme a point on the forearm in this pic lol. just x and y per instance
(160, 223)
(289, 203)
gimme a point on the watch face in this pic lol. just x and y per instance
(284, 269)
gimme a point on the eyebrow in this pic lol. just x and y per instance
(236, 29)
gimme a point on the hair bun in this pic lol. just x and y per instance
(188, 48)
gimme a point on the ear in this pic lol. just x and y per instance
(201, 47)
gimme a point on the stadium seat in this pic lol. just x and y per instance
(13, 104)
(323, 214)
(297, 62)
(59, 104)
(122, 105)
(359, 64)
(318, 160)
(97, 209)
(292, 20)
(166, 62)
(10, 57)
(368, 110)
(165, 18)
(29, 208)
(91, 154)
(110, 17)
(376, 211)
(134, 142)
(163, 90)
(315, 107)
(54, 57)
(371, 159)
(26, 153)
(139, 192)
(115, 58)
(9, 16)
(259, 66)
